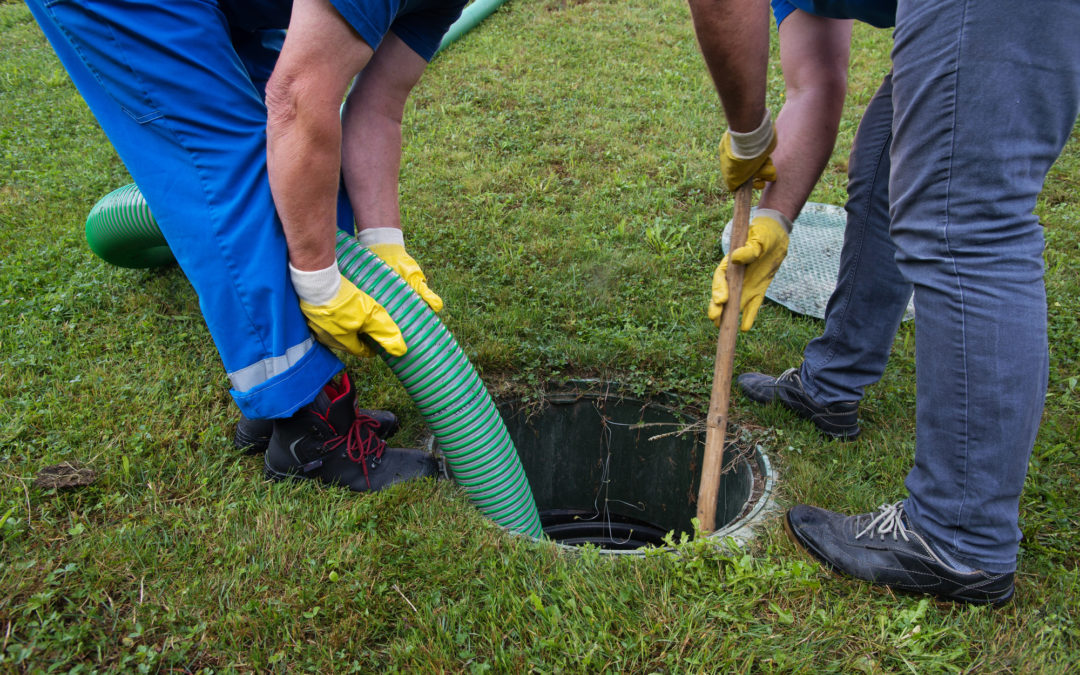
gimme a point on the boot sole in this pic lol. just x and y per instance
(275, 475)
(250, 445)
(257, 445)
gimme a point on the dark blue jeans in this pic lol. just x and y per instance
(871, 295)
(984, 94)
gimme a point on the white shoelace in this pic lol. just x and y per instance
(887, 521)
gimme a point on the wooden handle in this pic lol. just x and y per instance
(716, 422)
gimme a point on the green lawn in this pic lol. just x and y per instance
(561, 189)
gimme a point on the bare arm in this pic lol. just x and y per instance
(734, 40)
(814, 54)
(320, 57)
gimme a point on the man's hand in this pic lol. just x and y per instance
(738, 170)
(339, 323)
(389, 244)
(746, 156)
(396, 257)
(339, 313)
(766, 246)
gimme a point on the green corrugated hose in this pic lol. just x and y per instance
(435, 371)
(469, 19)
(450, 395)
(121, 231)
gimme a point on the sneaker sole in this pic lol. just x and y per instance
(838, 433)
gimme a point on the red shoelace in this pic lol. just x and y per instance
(361, 442)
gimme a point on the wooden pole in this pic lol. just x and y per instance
(716, 422)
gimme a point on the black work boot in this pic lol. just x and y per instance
(882, 548)
(328, 440)
(252, 436)
(839, 420)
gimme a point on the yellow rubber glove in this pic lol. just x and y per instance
(766, 246)
(351, 313)
(738, 170)
(395, 256)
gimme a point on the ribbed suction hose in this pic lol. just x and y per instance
(470, 18)
(434, 371)
(450, 395)
(121, 231)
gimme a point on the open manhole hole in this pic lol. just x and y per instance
(619, 473)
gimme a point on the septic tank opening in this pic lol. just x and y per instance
(619, 473)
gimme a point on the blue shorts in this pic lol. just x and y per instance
(879, 13)
(420, 24)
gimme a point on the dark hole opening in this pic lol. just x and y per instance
(616, 472)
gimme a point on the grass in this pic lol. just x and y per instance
(561, 189)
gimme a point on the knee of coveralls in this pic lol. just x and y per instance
(173, 97)
(979, 120)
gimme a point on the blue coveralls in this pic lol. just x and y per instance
(178, 87)
(951, 154)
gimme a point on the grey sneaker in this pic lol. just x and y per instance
(882, 548)
(839, 420)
